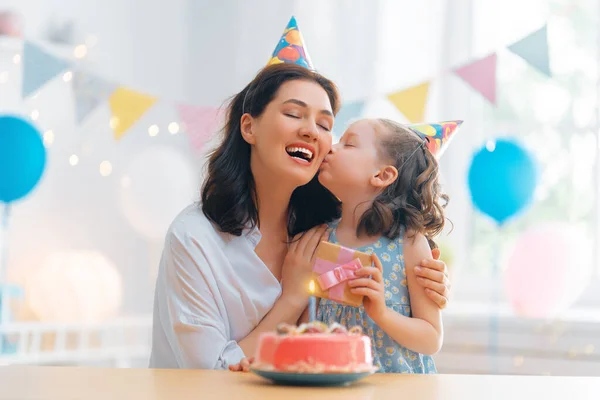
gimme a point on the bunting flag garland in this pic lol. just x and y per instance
(533, 48)
(481, 75)
(39, 67)
(89, 91)
(411, 102)
(127, 106)
(349, 112)
(200, 123)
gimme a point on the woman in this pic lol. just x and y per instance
(221, 280)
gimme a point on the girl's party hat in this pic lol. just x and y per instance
(438, 135)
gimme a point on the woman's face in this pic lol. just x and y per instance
(292, 136)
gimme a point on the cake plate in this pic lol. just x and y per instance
(311, 379)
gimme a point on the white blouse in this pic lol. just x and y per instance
(211, 291)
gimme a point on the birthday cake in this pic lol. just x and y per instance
(314, 348)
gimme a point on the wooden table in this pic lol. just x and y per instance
(66, 383)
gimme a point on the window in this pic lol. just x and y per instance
(556, 118)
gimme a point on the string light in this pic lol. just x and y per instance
(48, 137)
(518, 361)
(105, 168)
(589, 349)
(35, 114)
(73, 160)
(126, 181)
(67, 76)
(3, 77)
(17, 58)
(113, 123)
(572, 353)
(153, 130)
(80, 51)
(174, 128)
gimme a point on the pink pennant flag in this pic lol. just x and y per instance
(481, 75)
(200, 123)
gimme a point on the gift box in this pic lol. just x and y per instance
(334, 266)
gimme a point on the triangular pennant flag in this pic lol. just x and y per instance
(89, 91)
(346, 115)
(438, 134)
(481, 75)
(533, 48)
(39, 67)
(291, 48)
(127, 106)
(200, 123)
(411, 102)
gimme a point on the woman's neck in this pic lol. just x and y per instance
(273, 204)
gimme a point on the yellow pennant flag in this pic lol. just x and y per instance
(411, 102)
(127, 106)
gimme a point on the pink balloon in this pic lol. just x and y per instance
(548, 269)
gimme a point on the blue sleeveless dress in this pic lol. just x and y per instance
(388, 355)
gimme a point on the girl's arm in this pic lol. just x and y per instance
(423, 333)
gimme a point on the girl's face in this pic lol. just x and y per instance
(350, 166)
(292, 136)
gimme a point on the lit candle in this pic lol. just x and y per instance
(312, 303)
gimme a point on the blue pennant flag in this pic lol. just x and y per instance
(89, 92)
(39, 67)
(533, 48)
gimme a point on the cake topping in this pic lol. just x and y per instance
(337, 328)
(317, 327)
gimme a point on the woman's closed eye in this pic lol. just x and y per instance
(325, 127)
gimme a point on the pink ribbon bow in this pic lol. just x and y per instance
(333, 275)
(339, 274)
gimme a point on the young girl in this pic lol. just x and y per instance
(387, 181)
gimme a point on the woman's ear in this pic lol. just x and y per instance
(384, 177)
(246, 128)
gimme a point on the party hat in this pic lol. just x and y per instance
(291, 48)
(438, 134)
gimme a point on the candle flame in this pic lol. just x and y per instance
(311, 287)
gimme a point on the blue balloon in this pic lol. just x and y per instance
(502, 179)
(22, 158)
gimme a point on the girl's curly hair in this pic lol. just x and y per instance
(414, 200)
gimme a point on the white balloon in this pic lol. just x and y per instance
(156, 185)
(76, 286)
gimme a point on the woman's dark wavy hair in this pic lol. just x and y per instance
(228, 195)
(413, 200)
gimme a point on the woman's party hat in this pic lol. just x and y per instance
(438, 135)
(291, 48)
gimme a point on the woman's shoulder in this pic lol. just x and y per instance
(192, 223)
